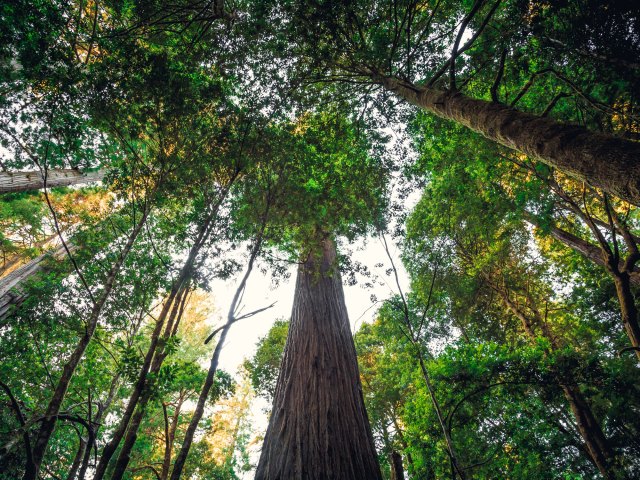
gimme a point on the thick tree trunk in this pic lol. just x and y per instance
(49, 421)
(604, 161)
(15, 261)
(23, 181)
(319, 427)
(170, 435)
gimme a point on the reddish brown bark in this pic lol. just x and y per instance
(319, 427)
(604, 161)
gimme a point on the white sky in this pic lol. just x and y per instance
(243, 336)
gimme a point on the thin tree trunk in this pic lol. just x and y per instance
(143, 400)
(51, 415)
(414, 338)
(97, 421)
(203, 234)
(319, 427)
(457, 468)
(141, 382)
(104, 407)
(23, 181)
(181, 459)
(77, 460)
(595, 442)
(628, 308)
(622, 279)
(170, 435)
(395, 462)
(604, 161)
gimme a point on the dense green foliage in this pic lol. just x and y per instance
(240, 133)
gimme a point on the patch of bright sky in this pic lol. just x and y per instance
(242, 338)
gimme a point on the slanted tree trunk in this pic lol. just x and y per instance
(604, 161)
(181, 458)
(159, 355)
(50, 417)
(77, 460)
(628, 308)
(140, 387)
(624, 273)
(170, 434)
(595, 442)
(319, 427)
(204, 232)
(590, 430)
(23, 181)
(11, 293)
(16, 259)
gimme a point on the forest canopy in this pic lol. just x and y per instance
(472, 166)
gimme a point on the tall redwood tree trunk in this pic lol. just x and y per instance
(604, 161)
(319, 427)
